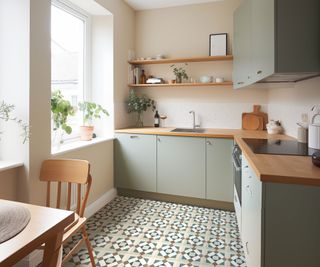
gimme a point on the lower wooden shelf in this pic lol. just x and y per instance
(182, 84)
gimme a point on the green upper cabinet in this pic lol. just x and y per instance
(219, 169)
(181, 166)
(262, 22)
(276, 41)
(242, 62)
(135, 162)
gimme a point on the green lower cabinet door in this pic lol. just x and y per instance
(219, 169)
(135, 162)
(181, 166)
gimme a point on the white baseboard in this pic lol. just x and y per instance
(100, 202)
(35, 258)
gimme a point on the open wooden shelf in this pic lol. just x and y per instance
(181, 84)
(181, 60)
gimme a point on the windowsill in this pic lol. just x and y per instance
(8, 165)
(77, 144)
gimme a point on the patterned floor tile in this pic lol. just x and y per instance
(131, 232)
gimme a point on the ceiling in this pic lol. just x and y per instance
(154, 4)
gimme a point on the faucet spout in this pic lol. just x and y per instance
(194, 118)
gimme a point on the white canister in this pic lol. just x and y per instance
(314, 132)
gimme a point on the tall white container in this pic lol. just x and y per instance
(314, 133)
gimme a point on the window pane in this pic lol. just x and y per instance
(67, 59)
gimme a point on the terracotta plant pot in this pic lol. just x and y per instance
(86, 133)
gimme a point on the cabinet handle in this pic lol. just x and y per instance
(247, 248)
(240, 83)
(235, 199)
(158, 139)
(134, 136)
(259, 71)
(249, 77)
(209, 143)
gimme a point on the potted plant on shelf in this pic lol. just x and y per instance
(90, 111)
(61, 109)
(139, 105)
(6, 111)
(180, 73)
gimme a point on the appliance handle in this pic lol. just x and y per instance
(235, 164)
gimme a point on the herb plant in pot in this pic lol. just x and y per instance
(139, 104)
(61, 109)
(180, 73)
(90, 111)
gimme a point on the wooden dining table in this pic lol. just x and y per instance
(46, 226)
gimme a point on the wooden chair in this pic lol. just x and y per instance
(70, 171)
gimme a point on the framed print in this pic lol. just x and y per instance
(218, 44)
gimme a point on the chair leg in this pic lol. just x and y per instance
(89, 247)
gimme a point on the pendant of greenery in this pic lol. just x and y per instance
(6, 111)
(61, 109)
(180, 73)
(91, 111)
(139, 104)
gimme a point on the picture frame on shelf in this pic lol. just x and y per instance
(218, 44)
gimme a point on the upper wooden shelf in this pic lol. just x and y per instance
(181, 60)
(227, 83)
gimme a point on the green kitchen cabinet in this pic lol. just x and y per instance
(181, 166)
(242, 45)
(219, 170)
(135, 162)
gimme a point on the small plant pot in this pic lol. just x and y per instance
(86, 133)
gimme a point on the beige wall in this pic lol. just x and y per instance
(23, 184)
(184, 32)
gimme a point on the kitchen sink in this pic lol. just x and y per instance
(188, 130)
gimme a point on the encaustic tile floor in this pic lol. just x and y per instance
(137, 232)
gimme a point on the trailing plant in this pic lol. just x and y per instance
(180, 73)
(139, 103)
(6, 111)
(61, 109)
(91, 111)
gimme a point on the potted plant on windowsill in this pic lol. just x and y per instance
(61, 109)
(139, 105)
(90, 111)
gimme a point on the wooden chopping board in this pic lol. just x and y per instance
(255, 120)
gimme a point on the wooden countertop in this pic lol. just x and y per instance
(269, 168)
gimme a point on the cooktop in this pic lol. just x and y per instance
(279, 147)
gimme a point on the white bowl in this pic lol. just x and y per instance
(205, 79)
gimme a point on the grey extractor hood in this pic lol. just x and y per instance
(276, 41)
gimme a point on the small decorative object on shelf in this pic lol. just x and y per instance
(61, 109)
(139, 105)
(180, 73)
(163, 118)
(156, 119)
(143, 77)
(90, 111)
(154, 80)
(218, 44)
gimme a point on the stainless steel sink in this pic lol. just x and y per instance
(188, 130)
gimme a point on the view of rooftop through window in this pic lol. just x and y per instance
(67, 57)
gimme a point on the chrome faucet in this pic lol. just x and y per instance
(194, 126)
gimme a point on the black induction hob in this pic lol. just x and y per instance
(279, 147)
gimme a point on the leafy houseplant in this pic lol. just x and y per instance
(90, 111)
(180, 73)
(139, 105)
(61, 109)
(5, 114)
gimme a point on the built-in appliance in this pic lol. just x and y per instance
(236, 159)
(279, 147)
(237, 177)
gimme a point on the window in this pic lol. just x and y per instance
(69, 57)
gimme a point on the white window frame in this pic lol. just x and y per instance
(76, 11)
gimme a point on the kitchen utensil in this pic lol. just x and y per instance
(251, 121)
(314, 132)
(302, 135)
(316, 159)
(205, 79)
(257, 111)
(255, 120)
